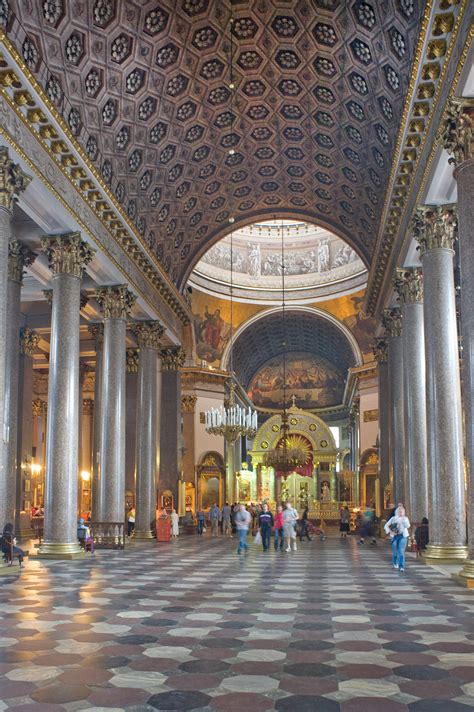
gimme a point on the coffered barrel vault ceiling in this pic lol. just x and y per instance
(304, 333)
(320, 86)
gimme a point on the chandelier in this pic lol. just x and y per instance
(231, 420)
(290, 452)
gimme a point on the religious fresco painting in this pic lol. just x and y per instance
(212, 334)
(313, 380)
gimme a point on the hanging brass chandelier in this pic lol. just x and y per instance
(289, 452)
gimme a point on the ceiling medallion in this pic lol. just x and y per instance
(313, 427)
(324, 443)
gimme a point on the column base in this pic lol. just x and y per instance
(435, 554)
(143, 535)
(52, 550)
(466, 576)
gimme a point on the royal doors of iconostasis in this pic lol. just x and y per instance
(316, 480)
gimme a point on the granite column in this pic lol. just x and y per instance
(170, 444)
(148, 336)
(435, 231)
(131, 391)
(459, 142)
(68, 256)
(392, 321)
(409, 286)
(12, 182)
(96, 330)
(116, 303)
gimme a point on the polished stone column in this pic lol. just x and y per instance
(435, 231)
(131, 391)
(170, 445)
(392, 321)
(381, 356)
(459, 141)
(68, 256)
(188, 408)
(12, 182)
(409, 286)
(24, 437)
(19, 257)
(97, 333)
(148, 335)
(116, 303)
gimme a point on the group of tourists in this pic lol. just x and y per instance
(283, 525)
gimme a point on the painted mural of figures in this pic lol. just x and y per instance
(254, 260)
(323, 256)
(212, 334)
(212, 327)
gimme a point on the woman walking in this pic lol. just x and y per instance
(290, 517)
(278, 528)
(174, 524)
(397, 528)
(344, 522)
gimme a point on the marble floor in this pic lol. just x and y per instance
(192, 626)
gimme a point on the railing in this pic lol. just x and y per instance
(108, 535)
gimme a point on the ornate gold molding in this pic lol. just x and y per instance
(116, 302)
(82, 174)
(96, 330)
(12, 179)
(188, 403)
(84, 369)
(380, 350)
(67, 254)
(87, 406)
(392, 322)
(29, 341)
(132, 357)
(148, 334)
(458, 130)
(433, 53)
(408, 284)
(173, 359)
(435, 227)
(19, 257)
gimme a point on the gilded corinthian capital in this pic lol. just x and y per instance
(392, 321)
(380, 350)
(29, 341)
(408, 284)
(67, 254)
(458, 130)
(12, 179)
(19, 257)
(148, 334)
(173, 359)
(132, 360)
(435, 227)
(116, 302)
(188, 403)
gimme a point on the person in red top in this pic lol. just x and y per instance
(278, 525)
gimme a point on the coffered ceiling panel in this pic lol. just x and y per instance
(308, 129)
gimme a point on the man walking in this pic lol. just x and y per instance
(265, 523)
(242, 520)
(214, 516)
(226, 516)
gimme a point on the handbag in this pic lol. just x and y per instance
(258, 538)
(204, 530)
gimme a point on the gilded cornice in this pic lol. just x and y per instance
(392, 322)
(82, 174)
(458, 130)
(148, 334)
(19, 257)
(116, 302)
(173, 359)
(29, 341)
(191, 375)
(67, 254)
(435, 227)
(380, 350)
(438, 39)
(12, 179)
(408, 284)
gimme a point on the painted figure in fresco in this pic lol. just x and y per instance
(323, 255)
(212, 327)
